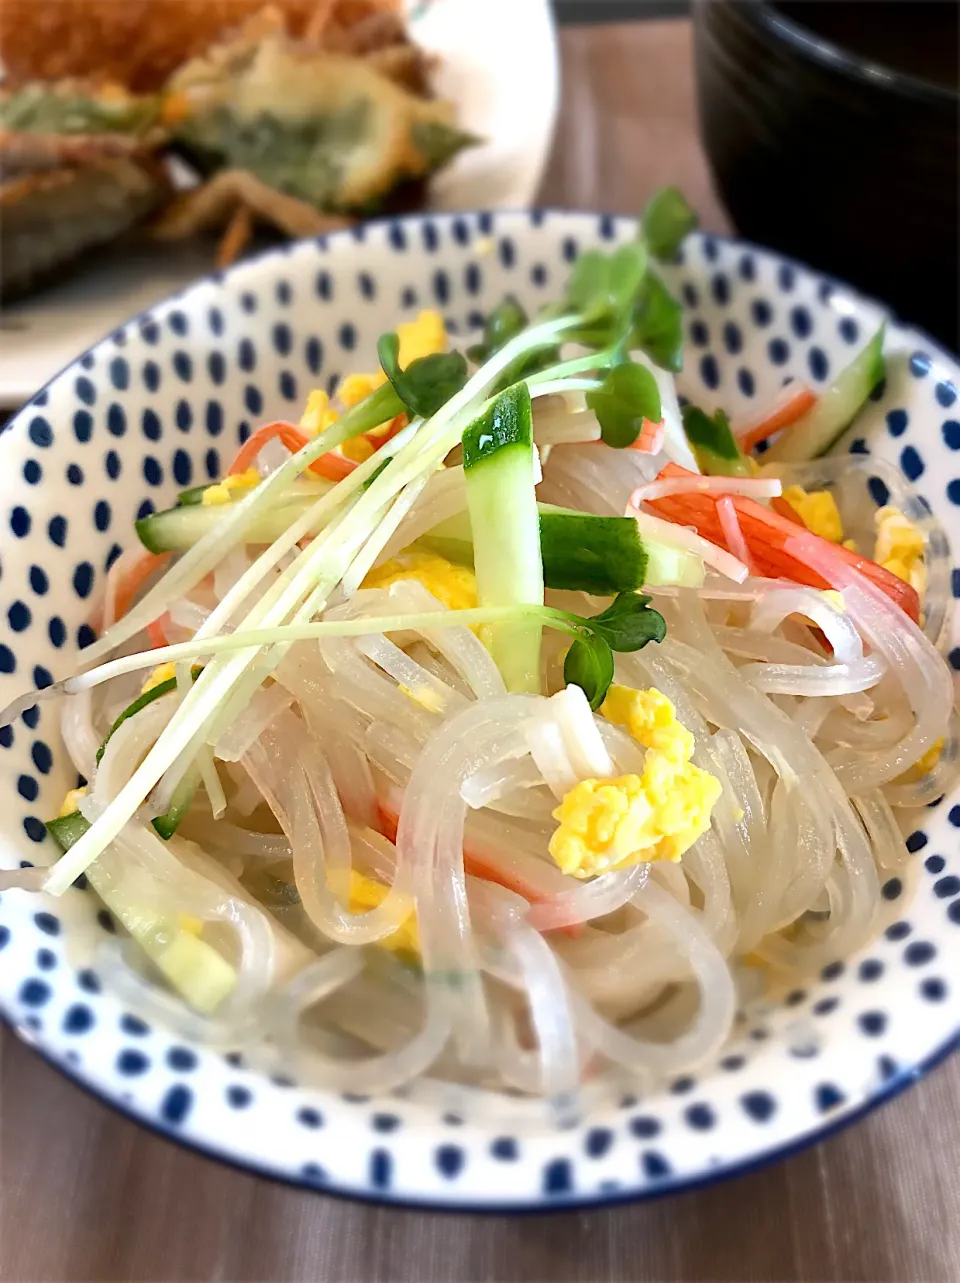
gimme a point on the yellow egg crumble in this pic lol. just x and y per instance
(608, 824)
(453, 586)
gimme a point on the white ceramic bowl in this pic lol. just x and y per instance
(162, 403)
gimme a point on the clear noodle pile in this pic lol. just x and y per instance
(395, 777)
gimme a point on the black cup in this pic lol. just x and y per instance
(832, 157)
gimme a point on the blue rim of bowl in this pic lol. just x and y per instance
(889, 1091)
(825, 54)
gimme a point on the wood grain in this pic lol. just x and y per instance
(627, 121)
(86, 1195)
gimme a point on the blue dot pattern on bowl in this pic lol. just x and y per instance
(166, 402)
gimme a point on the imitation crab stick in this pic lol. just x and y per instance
(332, 465)
(791, 404)
(767, 533)
(131, 577)
(476, 865)
(650, 440)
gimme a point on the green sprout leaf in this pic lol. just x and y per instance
(503, 324)
(428, 382)
(627, 395)
(666, 221)
(628, 623)
(589, 665)
(658, 324)
(603, 289)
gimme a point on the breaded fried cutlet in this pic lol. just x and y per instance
(140, 43)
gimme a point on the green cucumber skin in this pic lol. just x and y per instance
(838, 405)
(561, 562)
(142, 700)
(67, 829)
(190, 498)
(168, 823)
(147, 928)
(502, 503)
(602, 556)
(713, 444)
(715, 465)
(507, 425)
(176, 529)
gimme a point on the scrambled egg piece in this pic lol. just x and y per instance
(162, 673)
(355, 388)
(900, 547)
(817, 510)
(650, 718)
(222, 492)
(359, 449)
(367, 893)
(319, 413)
(422, 337)
(71, 802)
(453, 586)
(606, 824)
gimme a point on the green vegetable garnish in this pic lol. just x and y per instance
(589, 665)
(835, 409)
(658, 325)
(627, 395)
(503, 324)
(583, 552)
(502, 500)
(428, 382)
(602, 290)
(627, 625)
(666, 221)
(197, 971)
(142, 700)
(715, 446)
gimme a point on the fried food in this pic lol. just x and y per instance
(78, 167)
(140, 43)
(324, 128)
(52, 218)
(215, 205)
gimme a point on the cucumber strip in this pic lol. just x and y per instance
(194, 495)
(201, 976)
(187, 498)
(142, 700)
(669, 566)
(168, 823)
(837, 407)
(502, 502)
(175, 529)
(67, 829)
(592, 554)
(583, 552)
(714, 445)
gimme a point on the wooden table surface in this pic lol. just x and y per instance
(86, 1195)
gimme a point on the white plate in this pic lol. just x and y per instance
(497, 62)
